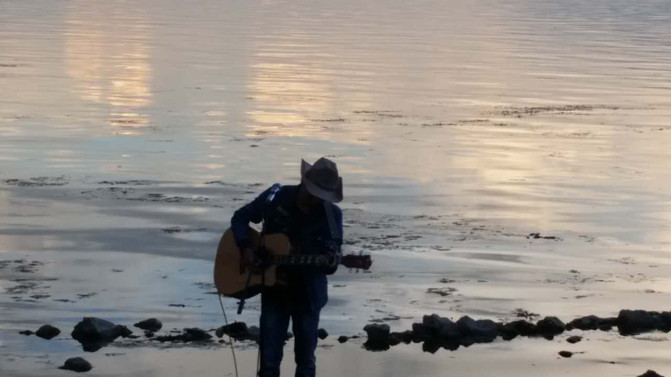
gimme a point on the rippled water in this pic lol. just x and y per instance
(552, 115)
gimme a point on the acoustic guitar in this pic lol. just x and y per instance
(234, 279)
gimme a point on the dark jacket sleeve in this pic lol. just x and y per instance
(251, 212)
(333, 244)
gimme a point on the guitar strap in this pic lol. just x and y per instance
(273, 190)
(271, 196)
(333, 228)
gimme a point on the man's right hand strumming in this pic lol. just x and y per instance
(252, 259)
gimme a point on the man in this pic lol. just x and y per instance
(307, 215)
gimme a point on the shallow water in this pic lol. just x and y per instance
(460, 128)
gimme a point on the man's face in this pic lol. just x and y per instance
(307, 200)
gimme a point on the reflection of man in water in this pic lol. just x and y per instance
(307, 215)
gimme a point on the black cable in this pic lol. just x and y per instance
(230, 340)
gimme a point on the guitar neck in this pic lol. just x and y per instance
(300, 260)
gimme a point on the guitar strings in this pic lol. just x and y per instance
(230, 340)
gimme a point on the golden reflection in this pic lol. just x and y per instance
(109, 62)
(293, 99)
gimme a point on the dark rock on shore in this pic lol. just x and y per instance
(342, 339)
(151, 324)
(651, 373)
(574, 339)
(631, 322)
(240, 331)
(124, 331)
(94, 333)
(254, 333)
(590, 322)
(400, 337)
(480, 331)
(195, 334)
(77, 364)
(188, 335)
(441, 327)
(523, 327)
(322, 334)
(666, 317)
(566, 354)
(47, 332)
(378, 337)
(26, 332)
(550, 326)
(236, 330)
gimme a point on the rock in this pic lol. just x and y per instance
(151, 324)
(188, 335)
(650, 373)
(481, 331)
(550, 326)
(47, 332)
(148, 334)
(26, 332)
(124, 331)
(574, 339)
(566, 354)
(378, 337)
(523, 327)
(666, 318)
(236, 330)
(590, 322)
(196, 335)
(342, 339)
(420, 332)
(440, 327)
(377, 332)
(322, 334)
(630, 322)
(93, 333)
(508, 331)
(431, 345)
(254, 333)
(401, 337)
(394, 339)
(77, 364)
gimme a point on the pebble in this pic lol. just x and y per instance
(77, 364)
(47, 332)
(566, 354)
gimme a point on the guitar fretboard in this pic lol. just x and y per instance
(299, 260)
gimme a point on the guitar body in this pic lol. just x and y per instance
(232, 278)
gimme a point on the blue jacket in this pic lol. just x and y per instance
(309, 234)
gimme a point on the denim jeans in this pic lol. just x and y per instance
(275, 312)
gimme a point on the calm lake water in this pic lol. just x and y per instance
(548, 114)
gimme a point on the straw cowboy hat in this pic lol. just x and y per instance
(322, 180)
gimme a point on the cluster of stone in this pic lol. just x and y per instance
(435, 332)
(192, 334)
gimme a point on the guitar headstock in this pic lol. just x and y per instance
(357, 261)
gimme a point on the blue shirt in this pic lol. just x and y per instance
(309, 234)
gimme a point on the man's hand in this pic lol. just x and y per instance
(251, 258)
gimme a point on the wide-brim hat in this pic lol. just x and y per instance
(322, 180)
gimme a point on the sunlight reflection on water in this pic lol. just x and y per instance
(551, 113)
